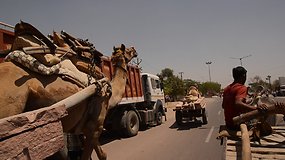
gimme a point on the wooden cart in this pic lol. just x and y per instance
(186, 111)
(270, 147)
(38, 134)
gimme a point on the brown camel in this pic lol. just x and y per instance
(119, 81)
(23, 90)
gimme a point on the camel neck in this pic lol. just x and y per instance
(118, 84)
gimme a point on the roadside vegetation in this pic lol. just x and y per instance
(175, 87)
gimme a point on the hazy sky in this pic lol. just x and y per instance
(178, 34)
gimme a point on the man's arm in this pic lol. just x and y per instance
(243, 106)
(246, 107)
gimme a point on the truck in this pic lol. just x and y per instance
(281, 91)
(6, 39)
(142, 106)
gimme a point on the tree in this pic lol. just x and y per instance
(175, 87)
(190, 82)
(275, 85)
(210, 88)
(257, 81)
(166, 73)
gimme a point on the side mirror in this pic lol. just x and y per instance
(161, 86)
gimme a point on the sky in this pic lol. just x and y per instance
(178, 34)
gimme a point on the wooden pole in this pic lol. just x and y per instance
(272, 109)
(79, 96)
(245, 148)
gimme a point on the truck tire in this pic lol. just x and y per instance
(204, 118)
(178, 117)
(132, 124)
(159, 118)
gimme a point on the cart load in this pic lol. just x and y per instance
(191, 110)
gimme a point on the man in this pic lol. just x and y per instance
(193, 94)
(234, 98)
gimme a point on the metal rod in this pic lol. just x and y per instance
(7, 25)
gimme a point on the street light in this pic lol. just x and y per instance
(208, 63)
(241, 58)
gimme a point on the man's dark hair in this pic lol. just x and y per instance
(239, 72)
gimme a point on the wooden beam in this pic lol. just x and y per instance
(246, 151)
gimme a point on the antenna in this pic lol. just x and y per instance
(241, 58)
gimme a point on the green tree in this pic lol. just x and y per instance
(190, 82)
(257, 81)
(275, 84)
(210, 88)
(175, 87)
(166, 73)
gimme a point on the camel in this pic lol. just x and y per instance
(23, 90)
(119, 83)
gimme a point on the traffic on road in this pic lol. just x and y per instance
(169, 141)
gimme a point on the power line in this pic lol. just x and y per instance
(241, 58)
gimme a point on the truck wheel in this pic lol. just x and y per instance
(132, 124)
(204, 117)
(178, 117)
(159, 118)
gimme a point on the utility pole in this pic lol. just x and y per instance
(208, 63)
(241, 58)
(268, 78)
(137, 61)
(181, 75)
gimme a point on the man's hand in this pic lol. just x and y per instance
(280, 107)
(262, 108)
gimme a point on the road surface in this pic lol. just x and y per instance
(192, 141)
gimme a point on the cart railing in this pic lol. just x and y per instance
(38, 134)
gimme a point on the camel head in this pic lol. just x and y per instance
(121, 56)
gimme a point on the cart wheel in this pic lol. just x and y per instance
(204, 117)
(159, 118)
(178, 116)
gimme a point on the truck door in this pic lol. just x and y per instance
(156, 90)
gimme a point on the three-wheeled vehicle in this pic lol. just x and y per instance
(190, 110)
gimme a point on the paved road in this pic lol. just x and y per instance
(192, 141)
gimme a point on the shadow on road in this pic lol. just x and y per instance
(107, 137)
(186, 125)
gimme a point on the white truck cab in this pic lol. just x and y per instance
(152, 88)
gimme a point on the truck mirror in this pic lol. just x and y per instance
(161, 86)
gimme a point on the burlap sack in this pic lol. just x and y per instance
(30, 41)
(84, 67)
